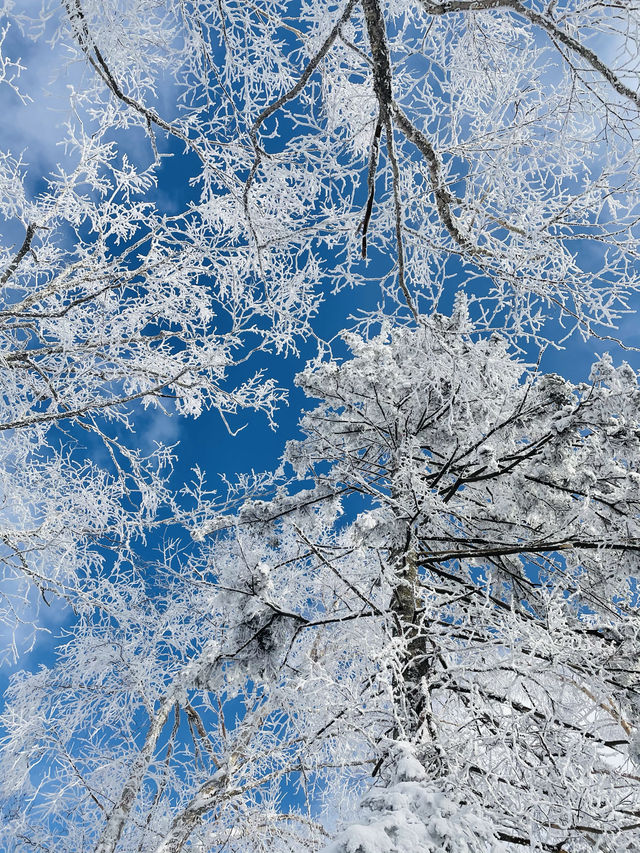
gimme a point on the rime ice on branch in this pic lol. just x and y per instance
(439, 608)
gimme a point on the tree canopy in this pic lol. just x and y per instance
(420, 631)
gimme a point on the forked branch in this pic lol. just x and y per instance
(289, 95)
(100, 66)
(555, 32)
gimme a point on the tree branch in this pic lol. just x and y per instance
(295, 90)
(22, 251)
(545, 23)
(99, 64)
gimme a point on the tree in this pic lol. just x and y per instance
(315, 148)
(502, 538)
(493, 137)
(465, 635)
